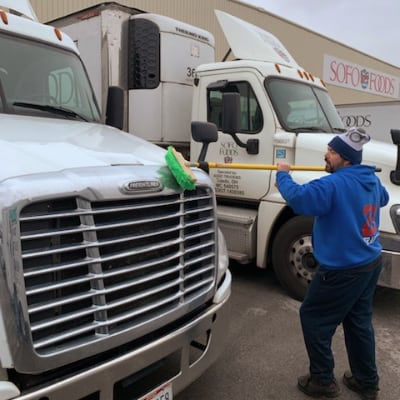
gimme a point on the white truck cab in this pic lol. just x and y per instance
(114, 281)
(284, 114)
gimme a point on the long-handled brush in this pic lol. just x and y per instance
(180, 168)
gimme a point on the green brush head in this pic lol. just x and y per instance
(184, 179)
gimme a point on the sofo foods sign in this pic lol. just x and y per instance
(353, 76)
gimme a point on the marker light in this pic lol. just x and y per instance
(4, 17)
(58, 33)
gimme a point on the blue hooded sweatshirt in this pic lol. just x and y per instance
(346, 206)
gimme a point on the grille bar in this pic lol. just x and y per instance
(95, 326)
(55, 321)
(83, 229)
(65, 249)
(79, 211)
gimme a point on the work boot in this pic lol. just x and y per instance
(366, 393)
(310, 387)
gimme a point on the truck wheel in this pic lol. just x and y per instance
(292, 256)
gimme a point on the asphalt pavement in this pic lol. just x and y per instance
(264, 352)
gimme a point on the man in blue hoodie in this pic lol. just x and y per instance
(346, 205)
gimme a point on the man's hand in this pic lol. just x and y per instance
(283, 166)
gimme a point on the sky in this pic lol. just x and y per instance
(371, 26)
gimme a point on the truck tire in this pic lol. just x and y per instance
(292, 256)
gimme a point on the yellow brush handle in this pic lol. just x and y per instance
(258, 166)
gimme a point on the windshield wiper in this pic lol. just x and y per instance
(308, 129)
(51, 109)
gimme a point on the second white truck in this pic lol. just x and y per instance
(284, 113)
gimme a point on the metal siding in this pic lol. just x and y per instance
(307, 47)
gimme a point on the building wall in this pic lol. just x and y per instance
(308, 48)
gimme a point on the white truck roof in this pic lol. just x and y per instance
(21, 7)
(30, 26)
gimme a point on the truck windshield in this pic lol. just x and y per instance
(38, 79)
(301, 107)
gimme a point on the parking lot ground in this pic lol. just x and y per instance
(265, 353)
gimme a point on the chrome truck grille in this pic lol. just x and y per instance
(96, 269)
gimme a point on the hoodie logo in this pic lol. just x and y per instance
(133, 187)
(369, 229)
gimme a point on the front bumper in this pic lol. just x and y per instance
(179, 357)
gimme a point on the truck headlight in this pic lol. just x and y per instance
(223, 259)
(395, 215)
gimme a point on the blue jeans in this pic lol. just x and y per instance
(341, 297)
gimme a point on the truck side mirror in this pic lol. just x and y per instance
(204, 132)
(115, 107)
(395, 175)
(230, 113)
(231, 121)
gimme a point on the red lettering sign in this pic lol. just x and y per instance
(347, 74)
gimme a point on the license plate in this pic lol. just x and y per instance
(163, 392)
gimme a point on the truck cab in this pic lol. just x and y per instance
(115, 281)
(284, 114)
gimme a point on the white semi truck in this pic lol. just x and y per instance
(378, 118)
(284, 114)
(114, 281)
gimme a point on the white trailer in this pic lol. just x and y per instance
(152, 57)
(377, 118)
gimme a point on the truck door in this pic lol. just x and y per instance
(257, 125)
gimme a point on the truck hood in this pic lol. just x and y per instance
(249, 42)
(36, 145)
